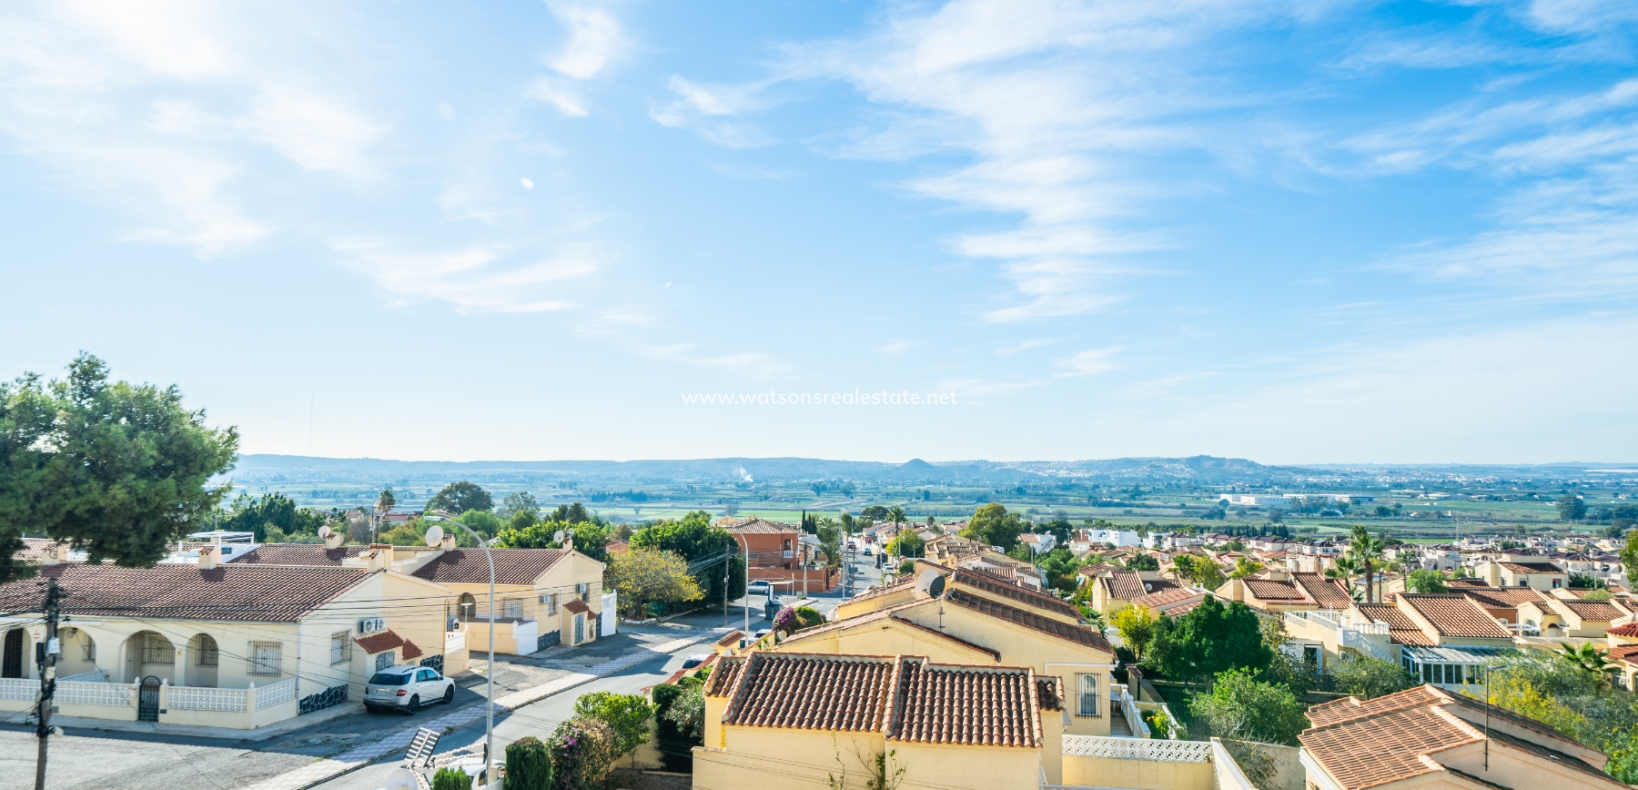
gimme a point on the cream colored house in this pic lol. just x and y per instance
(227, 645)
(971, 617)
(1117, 590)
(1429, 738)
(1283, 591)
(1552, 616)
(1523, 572)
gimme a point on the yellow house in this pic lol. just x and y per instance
(1431, 739)
(1572, 617)
(1623, 650)
(1522, 572)
(1282, 591)
(971, 617)
(799, 721)
(1117, 590)
(543, 597)
(234, 646)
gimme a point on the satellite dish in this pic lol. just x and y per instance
(401, 779)
(435, 535)
(930, 583)
(324, 532)
(557, 537)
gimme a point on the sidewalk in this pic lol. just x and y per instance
(364, 754)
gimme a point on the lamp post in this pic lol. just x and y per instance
(489, 709)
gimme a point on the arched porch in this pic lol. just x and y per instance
(203, 658)
(79, 654)
(15, 648)
(149, 653)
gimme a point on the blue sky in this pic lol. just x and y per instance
(1290, 231)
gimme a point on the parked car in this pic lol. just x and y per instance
(695, 660)
(407, 687)
(758, 587)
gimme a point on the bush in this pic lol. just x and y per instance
(582, 753)
(808, 617)
(1367, 678)
(528, 765)
(627, 716)
(687, 715)
(451, 779)
(1239, 707)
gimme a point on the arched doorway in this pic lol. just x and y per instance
(150, 653)
(79, 654)
(14, 654)
(467, 607)
(203, 658)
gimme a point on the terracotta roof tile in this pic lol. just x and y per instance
(1386, 613)
(298, 554)
(1270, 590)
(1596, 611)
(759, 526)
(1630, 629)
(1049, 691)
(380, 642)
(1501, 597)
(1123, 585)
(260, 593)
(1166, 601)
(904, 697)
(410, 651)
(997, 586)
(1078, 634)
(577, 606)
(1456, 616)
(723, 678)
(1627, 653)
(468, 566)
(901, 584)
(1377, 750)
(1532, 567)
(1328, 593)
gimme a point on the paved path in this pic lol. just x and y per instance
(322, 770)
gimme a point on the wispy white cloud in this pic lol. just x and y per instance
(482, 279)
(1087, 363)
(711, 112)
(594, 39)
(565, 100)
(894, 348)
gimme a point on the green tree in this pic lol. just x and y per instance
(1367, 678)
(994, 526)
(483, 522)
(1143, 562)
(573, 514)
(1629, 558)
(686, 714)
(1571, 508)
(1199, 571)
(1366, 551)
(119, 470)
(519, 502)
(627, 715)
(1244, 567)
(461, 497)
(528, 765)
(907, 544)
(273, 516)
(830, 542)
(1242, 708)
(645, 575)
(451, 779)
(695, 539)
(1427, 581)
(1588, 658)
(1343, 569)
(1136, 626)
(1209, 640)
(385, 500)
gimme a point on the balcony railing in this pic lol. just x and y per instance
(1157, 749)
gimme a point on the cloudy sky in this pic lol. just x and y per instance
(1294, 231)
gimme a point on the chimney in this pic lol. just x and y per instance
(208, 557)
(568, 542)
(380, 556)
(333, 540)
(448, 543)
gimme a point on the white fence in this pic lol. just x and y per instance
(17, 690)
(94, 676)
(282, 691)
(74, 692)
(1137, 749)
(196, 698)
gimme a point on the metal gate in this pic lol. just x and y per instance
(148, 700)
(11, 665)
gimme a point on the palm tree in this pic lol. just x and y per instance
(896, 517)
(1366, 551)
(1588, 658)
(1343, 570)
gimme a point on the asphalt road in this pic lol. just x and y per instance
(538, 719)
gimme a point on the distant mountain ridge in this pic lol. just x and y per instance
(1202, 469)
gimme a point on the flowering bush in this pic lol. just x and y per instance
(582, 753)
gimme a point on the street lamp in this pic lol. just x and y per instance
(489, 710)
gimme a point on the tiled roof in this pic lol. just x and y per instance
(1389, 747)
(1597, 611)
(468, 566)
(1532, 567)
(1627, 653)
(577, 606)
(1129, 586)
(1328, 593)
(1166, 600)
(298, 554)
(1501, 597)
(410, 651)
(1270, 590)
(731, 639)
(1630, 629)
(259, 593)
(759, 526)
(902, 584)
(379, 642)
(904, 697)
(997, 586)
(1456, 616)
(1074, 633)
(723, 678)
(1049, 691)
(1387, 613)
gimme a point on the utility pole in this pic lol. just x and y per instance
(48, 680)
(727, 564)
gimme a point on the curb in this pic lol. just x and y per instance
(360, 756)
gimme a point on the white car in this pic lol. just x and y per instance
(407, 687)
(759, 587)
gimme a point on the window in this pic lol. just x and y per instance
(265, 658)
(512, 607)
(383, 661)
(1557, 583)
(207, 655)
(341, 648)
(551, 603)
(1086, 693)
(585, 592)
(157, 649)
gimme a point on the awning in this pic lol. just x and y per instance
(1452, 655)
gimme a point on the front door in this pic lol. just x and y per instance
(148, 700)
(12, 664)
(579, 629)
